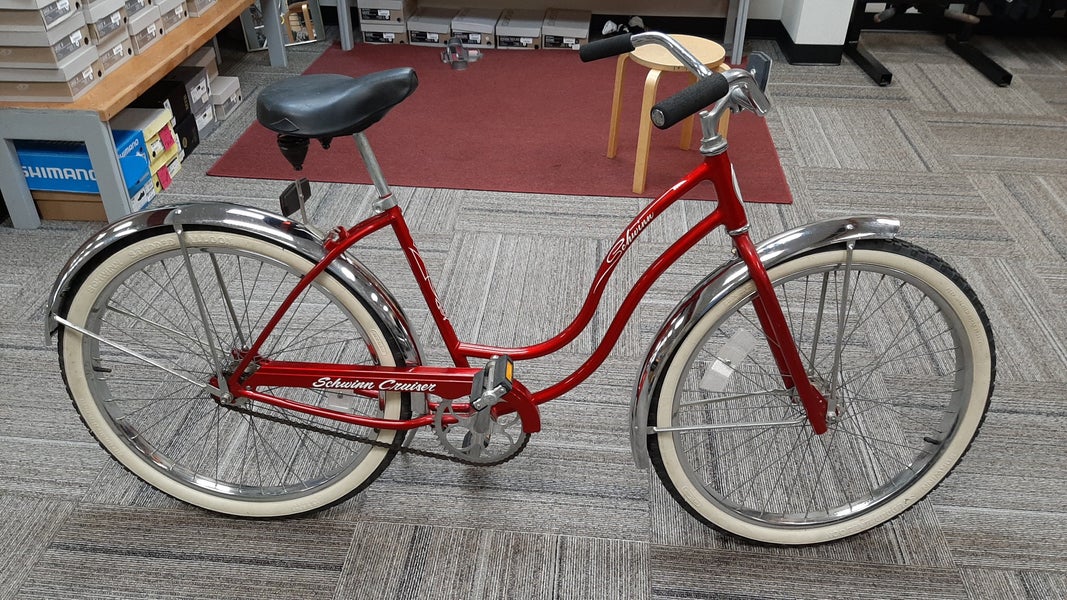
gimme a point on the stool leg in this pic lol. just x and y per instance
(644, 135)
(724, 123)
(616, 107)
(687, 126)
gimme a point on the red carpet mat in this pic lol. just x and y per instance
(516, 121)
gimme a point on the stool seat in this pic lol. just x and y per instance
(655, 56)
(658, 60)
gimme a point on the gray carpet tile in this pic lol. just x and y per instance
(714, 574)
(975, 172)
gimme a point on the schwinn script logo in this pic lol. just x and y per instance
(627, 238)
(389, 385)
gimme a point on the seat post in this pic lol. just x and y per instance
(385, 195)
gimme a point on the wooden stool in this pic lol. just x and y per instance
(658, 60)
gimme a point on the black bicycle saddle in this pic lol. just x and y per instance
(327, 105)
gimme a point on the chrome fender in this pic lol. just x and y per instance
(223, 216)
(728, 277)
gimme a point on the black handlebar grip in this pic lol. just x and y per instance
(612, 46)
(690, 100)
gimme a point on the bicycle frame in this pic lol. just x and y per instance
(455, 382)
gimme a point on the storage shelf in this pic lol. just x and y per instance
(117, 89)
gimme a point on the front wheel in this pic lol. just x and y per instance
(177, 312)
(896, 341)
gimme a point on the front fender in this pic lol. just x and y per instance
(261, 224)
(728, 277)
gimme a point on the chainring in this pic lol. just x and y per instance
(479, 438)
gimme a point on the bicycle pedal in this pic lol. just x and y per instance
(759, 64)
(492, 382)
(295, 194)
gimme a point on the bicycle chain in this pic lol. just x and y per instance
(366, 440)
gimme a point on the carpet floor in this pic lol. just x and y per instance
(975, 172)
(515, 122)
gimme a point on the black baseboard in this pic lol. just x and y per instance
(807, 54)
(715, 28)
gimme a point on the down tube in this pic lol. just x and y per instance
(641, 287)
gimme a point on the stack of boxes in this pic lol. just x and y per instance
(152, 136)
(398, 22)
(56, 50)
(63, 184)
(153, 125)
(385, 21)
(46, 54)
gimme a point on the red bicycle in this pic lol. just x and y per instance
(816, 385)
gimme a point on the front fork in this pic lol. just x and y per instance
(782, 345)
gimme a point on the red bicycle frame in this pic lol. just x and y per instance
(455, 382)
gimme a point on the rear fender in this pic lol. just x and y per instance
(231, 217)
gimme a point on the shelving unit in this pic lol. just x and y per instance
(86, 119)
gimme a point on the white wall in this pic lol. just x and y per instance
(822, 22)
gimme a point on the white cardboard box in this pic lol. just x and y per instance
(519, 29)
(431, 26)
(33, 17)
(476, 26)
(44, 49)
(146, 28)
(565, 29)
(135, 6)
(72, 77)
(395, 12)
(198, 7)
(225, 95)
(105, 19)
(115, 52)
(205, 59)
(383, 33)
(171, 12)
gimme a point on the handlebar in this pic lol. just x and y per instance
(738, 86)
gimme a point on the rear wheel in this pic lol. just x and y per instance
(890, 333)
(151, 411)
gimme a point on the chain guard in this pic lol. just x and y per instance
(479, 438)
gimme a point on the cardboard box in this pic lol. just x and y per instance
(519, 29)
(172, 12)
(383, 33)
(65, 166)
(204, 58)
(206, 123)
(145, 28)
(187, 134)
(35, 15)
(68, 80)
(135, 6)
(105, 17)
(195, 8)
(46, 49)
(225, 95)
(148, 121)
(431, 26)
(70, 206)
(162, 148)
(115, 53)
(565, 29)
(476, 26)
(384, 12)
(170, 95)
(196, 85)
